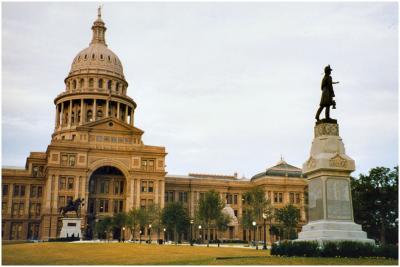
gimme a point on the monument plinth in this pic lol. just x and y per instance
(71, 227)
(329, 193)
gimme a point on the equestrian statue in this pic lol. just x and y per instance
(72, 206)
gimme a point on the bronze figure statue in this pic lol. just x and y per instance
(327, 95)
(72, 206)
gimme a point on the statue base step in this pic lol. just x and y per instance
(71, 227)
(329, 230)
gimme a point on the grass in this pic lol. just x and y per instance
(139, 254)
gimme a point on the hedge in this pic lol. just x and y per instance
(350, 249)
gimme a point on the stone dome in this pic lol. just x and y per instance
(97, 58)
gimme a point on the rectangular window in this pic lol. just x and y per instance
(143, 203)
(61, 201)
(71, 160)
(68, 160)
(16, 190)
(92, 186)
(228, 199)
(116, 187)
(70, 183)
(33, 231)
(63, 183)
(148, 164)
(121, 205)
(121, 186)
(169, 196)
(39, 191)
(5, 190)
(91, 206)
(19, 190)
(235, 212)
(297, 198)
(34, 209)
(17, 209)
(16, 231)
(104, 187)
(33, 191)
(235, 199)
(291, 198)
(4, 208)
(64, 160)
(144, 186)
(278, 197)
(151, 186)
(99, 138)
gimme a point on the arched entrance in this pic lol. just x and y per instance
(107, 196)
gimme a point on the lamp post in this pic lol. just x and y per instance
(254, 225)
(140, 237)
(165, 237)
(201, 239)
(265, 233)
(123, 234)
(149, 233)
(191, 227)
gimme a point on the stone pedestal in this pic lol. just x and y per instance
(71, 227)
(329, 194)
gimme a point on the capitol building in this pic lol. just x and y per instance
(96, 153)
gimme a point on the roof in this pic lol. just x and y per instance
(207, 176)
(281, 169)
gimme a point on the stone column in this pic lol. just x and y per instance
(126, 114)
(57, 117)
(76, 187)
(118, 110)
(55, 194)
(70, 113)
(10, 198)
(26, 200)
(137, 193)
(328, 175)
(131, 122)
(82, 113)
(107, 107)
(62, 114)
(156, 194)
(48, 193)
(94, 115)
(162, 194)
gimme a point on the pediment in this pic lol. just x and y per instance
(110, 124)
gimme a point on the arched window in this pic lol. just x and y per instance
(99, 114)
(81, 82)
(117, 88)
(73, 117)
(92, 56)
(100, 83)
(101, 56)
(89, 116)
(74, 84)
(109, 58)
(109, 83)
(91, 82)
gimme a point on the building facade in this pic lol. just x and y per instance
(97, 153)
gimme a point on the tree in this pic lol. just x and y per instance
(210, 209)
(143, 220)
(222, 223)
(120, 221)
(289, 216)
(255, 205)
(375, 202)
(104, 226)
(155, 215)
(175, 218)
(133, 221)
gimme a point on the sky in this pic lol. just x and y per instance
(225, 87)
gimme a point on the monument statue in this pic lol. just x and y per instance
(327, 95)
(72, 206)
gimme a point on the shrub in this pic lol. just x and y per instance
(330, 249)
(352, 249)
(300, 248)
(387, 251)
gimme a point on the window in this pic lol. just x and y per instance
(169, 196)
(17, 209)
(235, 212)
(70, 183)
(61, 201)
(278, 197)
(99, 114)
(92, 186)
(143, 203)
(5, 190)
(91, 82)
(91, 206)
(118, 206)
(144, 186)
(228, 199)
(34, 209)
(109, 84)
(183, 197)
(148, 164)
(33, 191)
(291, 197)
(16, 231)
(151, 187)
(89, 116)
(19, 190)
(68, 160)
(100, 83)
(103, 205)
(235, 199)
(104, 187)
(297, 198)
(63, 183)
(4, 208)
(35, 171)
(74, 84)
(81, 82)
(33, 231)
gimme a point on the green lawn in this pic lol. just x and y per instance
(138, 254)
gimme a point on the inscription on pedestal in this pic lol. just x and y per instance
(338, 199)
(315, 200)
